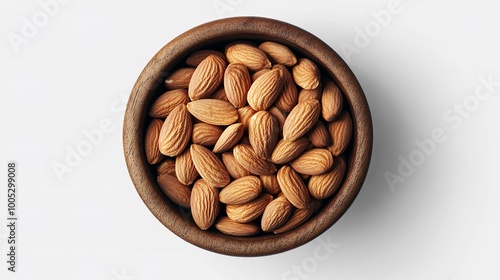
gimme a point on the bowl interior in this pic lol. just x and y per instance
(215, 35)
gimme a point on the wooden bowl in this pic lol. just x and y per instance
(218, 33)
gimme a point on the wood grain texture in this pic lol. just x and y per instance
(143, 176)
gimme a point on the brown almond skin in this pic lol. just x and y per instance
(176, 131)
(179, 78)
(233, 167)
(286, 151)
(230, 227)
(341, 131)
(242, 190)
(319, 135)
(306, 74)
(166, 102)
(231, 135)
(167, 166)
(313, 162)
(213, 111)
(259, 73)
(197, 57)
(276, 214)
(253, 58)
(152, 148)
(206, 134)
(293, 187)
(324, 185)
(207, 77)
(246, 157)
(279, 115)
(306, 94)
(298, 217)
(236, 83)
(174, 190)
(247, 212)
(301, 119)
(270, 184)
(331, 101)
(184, 168)
(278, 53)
(220, 94)
(289, 96)
(263, 132)
(209, 166)
(265, 90)
(204, 204)
(244, 115)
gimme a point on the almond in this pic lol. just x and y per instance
(176, 131)
(263, 130)
(298, 217)
(209, 166)
(306, 74)
(207, 77)
(293, 187)
(313, 162)
(253, 58)
(233, 167)
(197, 57)
(306, 94)
(206, 134)
(166, 102)
(324, 185)
(331, 101)
(278, 53)
(174, 190)
(341, 131)
(286, 151)
(231, 135)
(184, 168)
(301, 119)
(242, 190)
(153, 154)
(246, 157)
(279, 115)
(213, 111)
(259, 73)
(179, 78)
(247, 212)
(220, 94)
(244, 115)
(265, 90)
(276, 214)
(270, 184)
(319, 135)
(289, 96)
(204, 204)
(167, 166)
(230, 227)
(237, 82)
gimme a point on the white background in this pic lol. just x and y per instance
(441, 220)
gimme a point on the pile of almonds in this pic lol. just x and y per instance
(250, 140)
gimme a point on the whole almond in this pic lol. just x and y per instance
(233, 167)
(231, 135)
(213, 111)
(167, 166)
(209, 166)
(293, 187)
(237, 82)
(306, 94)
(253, 58)
(306, 74)
(207, 77)
(276, 214)
(220, 94)
(341, 131)
(247, 212)
(301, 119)
(152, 148)
(289, 96)
(204, 204)
(270, 184)
(313, 162)
(166, 102)
(263, 132)
(176, 131)
(286, 151)
(174, 190)
(331, 101)
(246, 157)
(259, 73)
(298, 217)
(265, 90)
(242, 190)
(206, 134)
(184, 168)
(319, 135)
(179, 78)
(278, 53)
(230, 227)
(197, 57)
(324, 185)
(244, 115)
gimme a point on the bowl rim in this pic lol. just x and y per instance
(246, 28)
